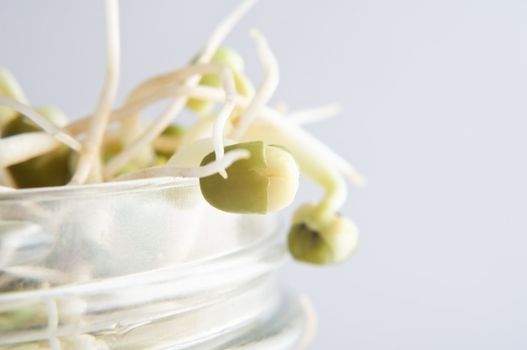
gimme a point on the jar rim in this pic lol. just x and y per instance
(267, 245)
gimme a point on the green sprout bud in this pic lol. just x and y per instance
(230, 58)
(24, 317)
(265, 182)
(321, 241)
(160, 160)
(168, 142)
(174, 131)
(234, 62)
(52, 168)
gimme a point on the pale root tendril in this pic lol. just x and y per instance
(266, 89)
(157, 127)
(91, 149)
(217, 166)
(19, 148)
(314, 115)
(40, 121)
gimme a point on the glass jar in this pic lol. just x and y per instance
(143, 264)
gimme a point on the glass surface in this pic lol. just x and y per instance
(142, 264)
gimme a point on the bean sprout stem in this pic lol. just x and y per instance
(19, 148)
(39, 120)
(214, 167)
(265, 90)
(229, 96)
(90, 152)
(150, 91)
(157, 127)
(314, 115)
(218, 95)
(218, 130)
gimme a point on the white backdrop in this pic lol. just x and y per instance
(434, 96)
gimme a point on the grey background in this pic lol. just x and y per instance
(434, 96)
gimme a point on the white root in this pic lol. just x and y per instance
(227, 80)
(266, 89)
(276, 118)
(223, 29)
(80, 125)
(218, 130)
(131, 124)
(40, 121)
(199, 69)
(90, 152)
(314, 115)
(163, 87)
(218, 95)
(318, 147)
(130, 129)
(157, 127)
(19, 148)
(148, 92)
(154, 84)
(191, 154)
(130, 108)
(214, 167)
